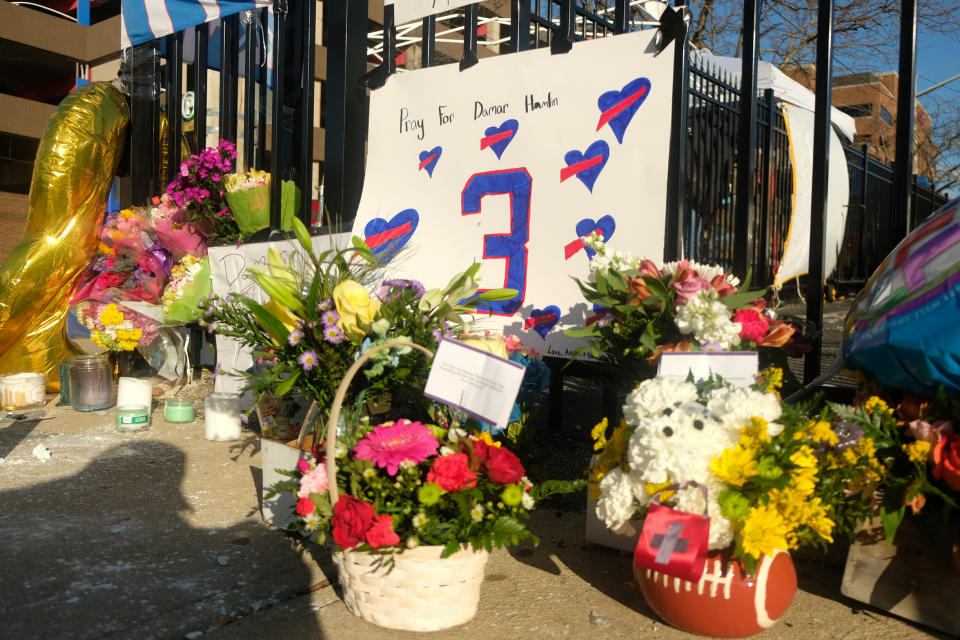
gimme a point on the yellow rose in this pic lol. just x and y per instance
(355, 306)
(492, 342)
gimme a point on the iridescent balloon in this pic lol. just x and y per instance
(904, 327)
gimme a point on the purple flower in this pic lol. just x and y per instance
(330, 317)
(325, 305)
(244, 419)
(333, 334)
(308, 360)
(294, 338)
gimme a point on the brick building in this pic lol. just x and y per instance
(871, 99)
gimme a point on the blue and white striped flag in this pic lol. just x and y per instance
(145, 20)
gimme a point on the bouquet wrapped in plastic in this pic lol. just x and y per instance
(114, 327)
(189, 283)
(248, 195)
(171, 227)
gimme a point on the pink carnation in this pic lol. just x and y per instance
(313, 482)
(390, 444)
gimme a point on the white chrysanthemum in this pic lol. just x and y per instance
(418, 520)
(476, 513)
(690, 500)
(654, 395)
(708, 320)
(527, 501)
(676, 446)
(735, 406)
(615, 506)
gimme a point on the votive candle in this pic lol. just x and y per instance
(178, 411)
(135, 392)
(221, 416)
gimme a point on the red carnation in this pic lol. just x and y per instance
(305, 506)
(452, 472)
(352, 519)
(381, 533)
(753, 324)
(503, 466)
(946, 459)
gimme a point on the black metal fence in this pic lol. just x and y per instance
(282, 138)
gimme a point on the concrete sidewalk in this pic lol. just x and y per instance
(158, 535)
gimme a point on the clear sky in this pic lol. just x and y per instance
(938, 58)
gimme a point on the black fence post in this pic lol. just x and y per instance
(144, 121)
(906, 88)
(306, 112)
(469, 57)
(747, 143)
(520, 25)
(250, 23)
(621, 16)
(677, 159)
(428, 41)
(200, 86)
(229, 76)
(872, 232)
(347, 106)
(174, 89)
(263, 72)
(762, 275)
(276, 133)
(821, 180)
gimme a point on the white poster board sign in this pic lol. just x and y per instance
(510, 162)
(739, 368)
(227, 268)
(409, 10)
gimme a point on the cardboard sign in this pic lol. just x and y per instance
(739, 368)
(475, 381)
(510, 163)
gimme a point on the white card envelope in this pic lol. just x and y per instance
(739, 368)
(475, 381)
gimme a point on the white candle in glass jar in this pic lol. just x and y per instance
(221, 416)
(135, 392)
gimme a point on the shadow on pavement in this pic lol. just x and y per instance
(111, 551)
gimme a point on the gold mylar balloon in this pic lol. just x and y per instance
(76, 161)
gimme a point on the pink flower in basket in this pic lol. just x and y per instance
(314, 481)
(390, 444)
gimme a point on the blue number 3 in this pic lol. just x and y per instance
(512, 246)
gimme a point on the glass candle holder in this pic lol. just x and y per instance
(23, 390)
(91, 382)
(133, 417)
(178, 411)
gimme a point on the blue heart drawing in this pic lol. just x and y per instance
(550, 315)
(587, 165)
(429, 159)
(386, 238)
(617, 107)
(497, 138)
(606, 226)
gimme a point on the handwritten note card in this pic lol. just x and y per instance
(474, 381)
(739, 368)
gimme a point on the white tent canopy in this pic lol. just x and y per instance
(784, 88)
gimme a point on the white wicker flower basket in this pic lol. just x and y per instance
(416, 590)
(420, 592)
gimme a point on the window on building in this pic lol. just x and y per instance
(857, 110)
(886, 115)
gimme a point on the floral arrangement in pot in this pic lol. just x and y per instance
(777, 477)
(324, 309)
(919, 439)
(643, 309)
(412, 510)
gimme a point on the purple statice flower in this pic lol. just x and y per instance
(308, 360)
(294, 337)
(325, 305)
(216, 371)
(400, 283)
(244, 419)
(333, 334)
(330, 317)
